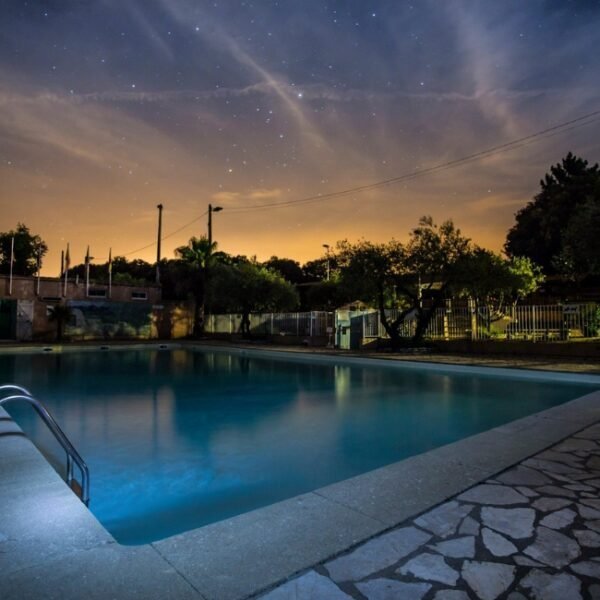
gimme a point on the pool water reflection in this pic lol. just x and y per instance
(176, 439)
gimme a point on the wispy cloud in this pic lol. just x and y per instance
(217, 36)
(486, 63)
(239, 198)
(226, 196)
(253, 103)
(156, 39)
(493, 204)
(263, 194)
(97, 134)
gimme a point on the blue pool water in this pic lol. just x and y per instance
(176, 439)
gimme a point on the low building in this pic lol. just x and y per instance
(96, 310)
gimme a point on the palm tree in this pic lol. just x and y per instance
(199, 254)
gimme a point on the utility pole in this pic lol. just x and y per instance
(38, 260)
(160, 209)
(211, 210)
(326, 246)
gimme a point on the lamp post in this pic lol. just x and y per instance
(38, 265)
(211, 210)
(205, 273)
(158, 240)
(326, 246)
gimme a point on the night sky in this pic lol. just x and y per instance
(109, 107)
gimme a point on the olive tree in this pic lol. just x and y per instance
(395, 275)
(493, 283)
(248, 287)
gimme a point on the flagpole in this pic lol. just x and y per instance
(12, 259)
(39, 257)
(67, 265)
(87, 272)
(109, 272)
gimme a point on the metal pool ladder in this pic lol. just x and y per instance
(14, 393)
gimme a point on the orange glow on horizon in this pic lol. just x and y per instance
(185, 104)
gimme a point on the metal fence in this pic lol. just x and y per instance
(536, 323)
(521, 322)
(302, 324)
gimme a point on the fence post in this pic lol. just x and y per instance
(474, 316)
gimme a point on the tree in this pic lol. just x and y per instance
(177, 279)
(493, 282)
(434, 254)
(289, 269)
(316, 270)
(327, 295)
(29, 250)
(98, 272)
(199, 255)
(541, 228)
(249, 287)
(138, 270)
(370, 272)
(124, 272)
(580, 254)
(396, 276)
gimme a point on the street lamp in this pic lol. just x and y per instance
(211, 210)
(326, 246)
(205, 270)
(38, 264)
(158, 240)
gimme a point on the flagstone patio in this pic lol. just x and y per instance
(532, 531)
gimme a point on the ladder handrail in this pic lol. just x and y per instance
(72, 454)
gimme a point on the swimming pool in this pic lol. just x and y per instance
(176, 439)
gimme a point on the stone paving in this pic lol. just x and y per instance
(532, 531)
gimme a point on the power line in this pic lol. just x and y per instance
(506, 147)
(520, 142)
(165, 237)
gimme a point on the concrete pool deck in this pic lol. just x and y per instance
(51, 546)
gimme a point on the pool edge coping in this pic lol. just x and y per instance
(306, 354)
(366, 504)
(465, 463)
